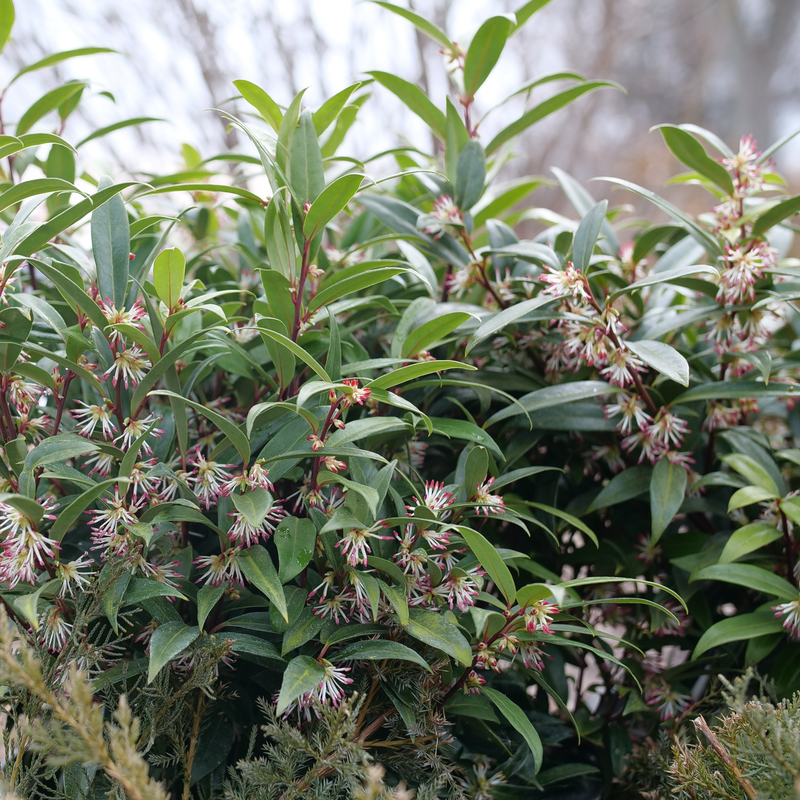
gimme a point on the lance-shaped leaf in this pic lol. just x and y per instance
(416, 100)
(378, 650)
(691, 153)
(544, 109)
(169, 641)
(433, 629)
(232, 431)
(737, 629)
(331, 201)
(168, 271)
(258, 568)
(418, 22)
(262, 103)
(490, 560)
(303, 675)
(485, 50)
(519, 721)
(506, 317)
(667, 490)
(294, 539)
(662, 357)
(586, 236)
(750, 576)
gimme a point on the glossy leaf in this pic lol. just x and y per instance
(294, 539)
(258, 568)
(586, 235)
(543, 110)
(169, 269)
(169, 641)
(691, 153)
(433, 629)
(489, 559)
(667, 360)
(416, 100)
(749, 576)
(667, 491)
(303, 675)
(736, 629)
(519, 721)
(379, 650)
(747, 539)
(331, 201)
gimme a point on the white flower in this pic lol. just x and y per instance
(89, 416)
(222, 568)
(71, 575)
(436, 498)
(488, 503)
(565, 282)
(129, 365)
(791, 611)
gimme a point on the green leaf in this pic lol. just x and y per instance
(662, 357)
(506, 317)
(791, 507)
(412, 371)
(253, 505)
(295, 348)
(236, 436)
(747, 539)
(736, 629)
(666, 276)
(6, 21)
(691, 153)
(327, 113)
(419, 22)
(702, 236)
(630, 483)
(22, 191)
(461, 429)
(302, 630)
(262, 103)
(295, 540)
(432, 331)
(378, 650)
(125, 123)
(544, 109)
(519, 721)
(734, 390)
(56, 58)
(484, 51)
(749, 576)
(330, 202)
(51, 451)
(303, 675)
(47, 103)
(433, 629)
(749, 495)
(586, 236)
(258, 568)
(416, 100)
(751, 470)
(552, 396)
(168, 641)
(28, 604)
(491, 561)
(306, 174)
(69, 515)
(112, 599)
(262, 651)
(475, 469)
(207, 598)
(667, 490)
(168, 271)
(568, 518)
(470, 705)
(111, 246)
(470, 174)
(365, 277)
(776, 214)
(527, 10)
(67, 218)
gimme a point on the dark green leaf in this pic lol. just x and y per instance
(667, 490)
(168, 641)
